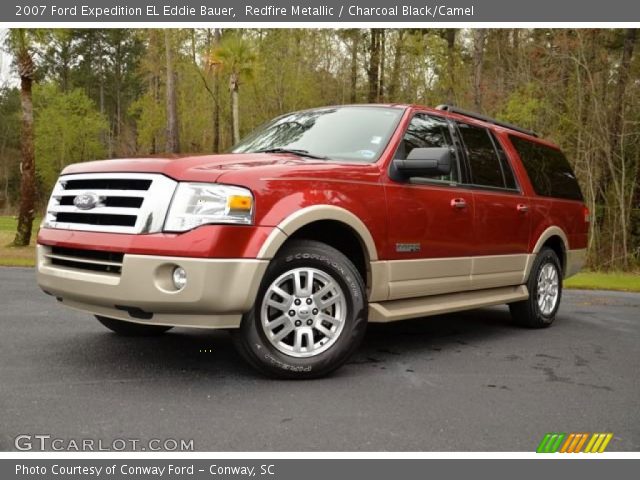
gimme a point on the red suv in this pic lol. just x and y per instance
(315, 224)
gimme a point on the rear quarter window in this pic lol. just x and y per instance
(548, 170)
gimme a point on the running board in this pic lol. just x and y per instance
(394, 310)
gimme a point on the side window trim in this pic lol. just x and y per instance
(458, 151)
(504, 163)
(461, 152)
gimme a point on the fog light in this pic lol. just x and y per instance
(179, 278)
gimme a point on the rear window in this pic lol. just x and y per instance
(548, 169)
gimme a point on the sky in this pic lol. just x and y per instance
(6, 75)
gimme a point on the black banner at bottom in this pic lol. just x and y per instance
(318, 469)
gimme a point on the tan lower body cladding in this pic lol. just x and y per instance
(404, 279)
(405, 289)
(418, 288)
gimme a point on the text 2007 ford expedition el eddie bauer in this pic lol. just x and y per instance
(315, 224)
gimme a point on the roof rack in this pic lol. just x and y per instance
(477, 116)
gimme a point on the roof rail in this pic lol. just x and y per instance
(477, 116)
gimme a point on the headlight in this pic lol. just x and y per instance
(196, 204)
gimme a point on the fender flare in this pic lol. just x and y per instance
(547, 234)
(544, 236)
(307, 215)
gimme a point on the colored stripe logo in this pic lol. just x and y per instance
(574, 443)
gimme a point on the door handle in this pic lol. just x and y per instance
(522, 208)
(458, 203)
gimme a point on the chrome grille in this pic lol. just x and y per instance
(80, 259)
(125, 202)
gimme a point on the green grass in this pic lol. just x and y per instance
(8, 223)
(16, 256)
(629, 282)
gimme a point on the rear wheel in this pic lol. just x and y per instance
(309, 315)
(545, 292)
(130, 329)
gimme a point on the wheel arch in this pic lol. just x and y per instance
(329, 224)
(554, 238)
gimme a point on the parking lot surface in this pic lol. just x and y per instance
(468, 381)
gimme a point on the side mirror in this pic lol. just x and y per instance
(425, 162)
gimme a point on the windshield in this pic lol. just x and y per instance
(356, 134)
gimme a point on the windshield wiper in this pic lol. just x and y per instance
(295, 151)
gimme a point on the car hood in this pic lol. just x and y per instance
(197, 168)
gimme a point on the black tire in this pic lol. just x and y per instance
(528, 312)
(251, 339)
(130, 329)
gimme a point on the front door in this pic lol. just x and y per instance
(431, 237)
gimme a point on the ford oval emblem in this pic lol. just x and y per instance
(86, 201)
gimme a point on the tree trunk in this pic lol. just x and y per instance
(118, 90)
(478, 54)
(235, 113)
(374, 65)
(173, 142)
(217, 33)
(355, 43)
(381, 69)
(4, 201)
(450, 36)
(27, 166)
(621, 86)
(155, 88)
(395, 71)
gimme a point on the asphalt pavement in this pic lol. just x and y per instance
(468, 381)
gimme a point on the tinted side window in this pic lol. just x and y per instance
(548, 169)
(425, 131)
(483, 159)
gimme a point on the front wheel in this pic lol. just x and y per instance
(545, 292)
(309, 315)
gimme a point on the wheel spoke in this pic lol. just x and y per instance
(309, 285)
(322, 292)
(282, 306)
(297, 341)
(309, 334)
(336, 297)
(324, 330)
(328, 318)
(273, 324)
(286, 298)
(283, 333)
(297, 283)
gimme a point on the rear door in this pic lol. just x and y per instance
(502, 218)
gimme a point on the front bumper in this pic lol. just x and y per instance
(217, 293)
